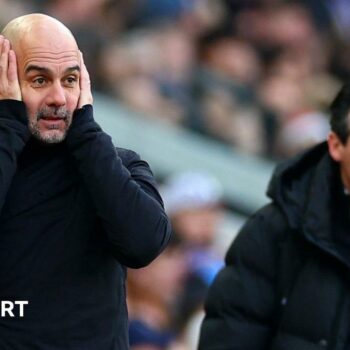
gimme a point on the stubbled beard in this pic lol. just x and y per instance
(48, 137)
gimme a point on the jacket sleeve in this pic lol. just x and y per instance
(14, 134)
(123, 190)
(241, 302)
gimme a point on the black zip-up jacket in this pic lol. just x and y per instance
(246, 309)
(72, 217)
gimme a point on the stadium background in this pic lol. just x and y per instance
(212, 94)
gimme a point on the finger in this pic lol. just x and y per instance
(12, 67)
(1, 42)
(84, 75)
(3, 69)
(5, 55)
(85, 85)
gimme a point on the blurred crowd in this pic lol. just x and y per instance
(166, 298)
(256, 75)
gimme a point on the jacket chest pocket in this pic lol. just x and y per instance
(311, 311)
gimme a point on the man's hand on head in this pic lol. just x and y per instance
(85, 85)
(9, 84)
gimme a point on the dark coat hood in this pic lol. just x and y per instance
(302, 188)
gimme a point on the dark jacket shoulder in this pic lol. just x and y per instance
(240, 304)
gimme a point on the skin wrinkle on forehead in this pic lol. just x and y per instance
(52, 60)
(39, 55)
(66, 52)
(39, 51)
(36, 52)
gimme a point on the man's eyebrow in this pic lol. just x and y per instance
(34, 67)
(73, 68)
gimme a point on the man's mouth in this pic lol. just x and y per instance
(52, 122)
(52, 118)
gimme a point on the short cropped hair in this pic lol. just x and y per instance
(339, 110)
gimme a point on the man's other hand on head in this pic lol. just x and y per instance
(85, 85)
(9, 85)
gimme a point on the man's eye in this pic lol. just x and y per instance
(39, 81)
(71, 80)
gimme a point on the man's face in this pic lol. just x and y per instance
(340, 152)
(345, 163)
(49, 78)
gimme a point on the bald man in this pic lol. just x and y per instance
(74, 210)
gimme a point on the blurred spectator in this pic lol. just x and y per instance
(283, 95)
(78, 12)
(269, 26)
(223, 92)
(149, 71)
(192, 199)
(301, 132)
(143, 337)
(193, 202)
(230, 57)
(340, 11)
(224, 118)
(12, 9)
(153, 292)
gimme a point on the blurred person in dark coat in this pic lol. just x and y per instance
(285, 282)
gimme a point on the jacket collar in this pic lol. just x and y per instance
(304, 189)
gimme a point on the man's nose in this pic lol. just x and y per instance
(56, 95)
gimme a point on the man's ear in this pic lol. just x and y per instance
(335, 146)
